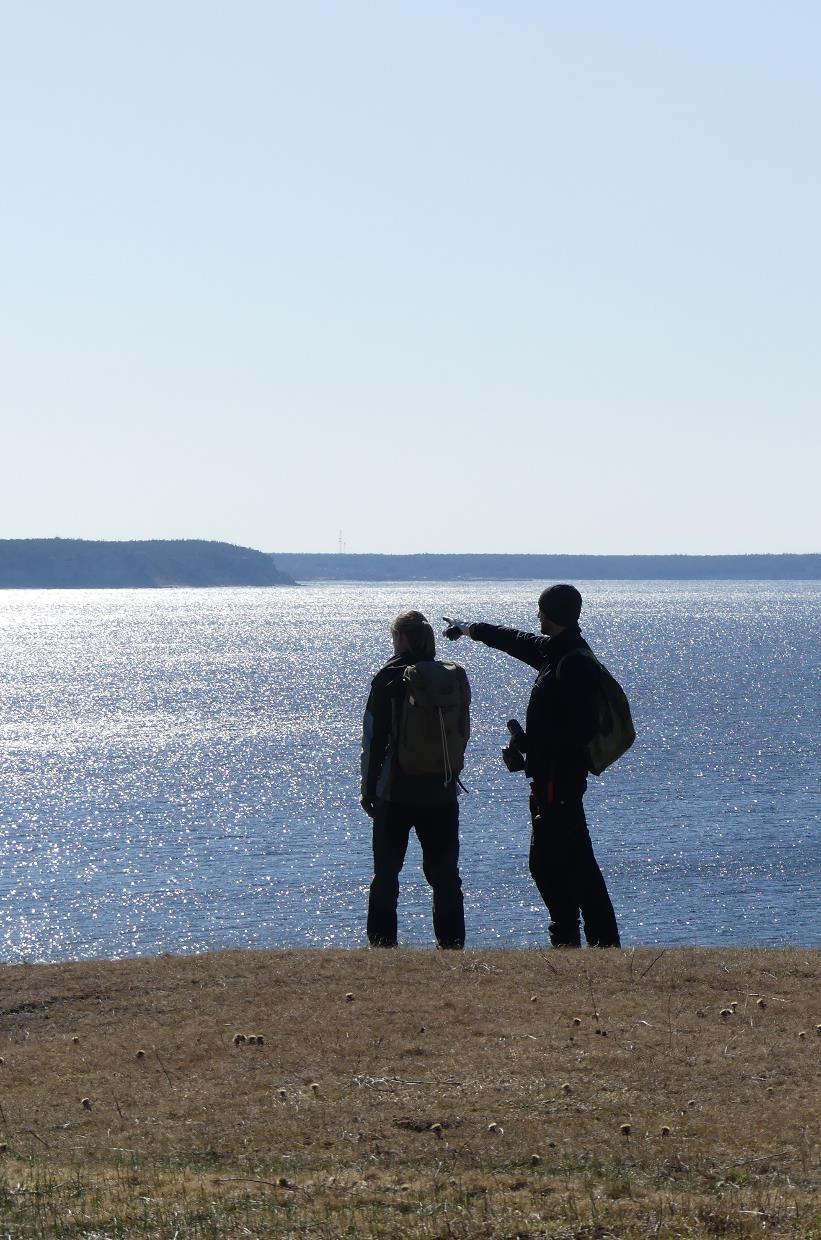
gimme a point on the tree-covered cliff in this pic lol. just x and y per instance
(71, 563)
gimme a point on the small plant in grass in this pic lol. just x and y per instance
(616, 1190)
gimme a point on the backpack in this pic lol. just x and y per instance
(615, 731)
(434, 720)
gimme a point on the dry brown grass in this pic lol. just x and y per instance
(413, 1093)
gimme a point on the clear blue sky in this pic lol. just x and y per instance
(453, 276)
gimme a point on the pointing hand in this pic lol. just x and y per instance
(456, 628)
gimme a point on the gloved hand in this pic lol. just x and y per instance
(367, 805)
(456, 628)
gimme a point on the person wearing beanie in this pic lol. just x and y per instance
(561, 719)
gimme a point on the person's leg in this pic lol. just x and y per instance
(600, 927)
(391, 828)
(438, 829)
(551, 867)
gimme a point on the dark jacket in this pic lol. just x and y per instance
(381, 777)
(562, 711)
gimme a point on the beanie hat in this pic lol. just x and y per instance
(562, 604)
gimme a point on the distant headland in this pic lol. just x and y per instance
(73, 563)
(336, 567)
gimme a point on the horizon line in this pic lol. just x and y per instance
(518, 554)
(576, 555)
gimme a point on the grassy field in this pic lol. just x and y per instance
(413, 1093)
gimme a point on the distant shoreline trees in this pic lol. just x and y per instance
(476, 567)
(73, 563)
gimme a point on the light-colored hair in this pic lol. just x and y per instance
(419, 634)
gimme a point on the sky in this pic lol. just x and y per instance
(434, 276)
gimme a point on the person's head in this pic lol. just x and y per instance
(413, 635)
(559, 608)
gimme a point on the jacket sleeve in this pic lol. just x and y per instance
(528, 647)
(376, 727)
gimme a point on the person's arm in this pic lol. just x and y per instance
(376, 727)
(528, 647)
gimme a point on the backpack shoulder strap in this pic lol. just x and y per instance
(583, 651)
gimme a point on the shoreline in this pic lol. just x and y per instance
(468, 568)
(410, 949)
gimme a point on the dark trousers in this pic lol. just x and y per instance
(568, 876)
(437, 827)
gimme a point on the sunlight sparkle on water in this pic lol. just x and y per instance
(180, 767)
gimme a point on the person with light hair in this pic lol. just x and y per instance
(414, 733)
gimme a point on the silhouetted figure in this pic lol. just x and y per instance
(561, 719)
(414, 734)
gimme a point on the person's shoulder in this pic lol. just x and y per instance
(580, 660)
(388, 675)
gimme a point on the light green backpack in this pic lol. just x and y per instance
(434, 720)
(615, 732)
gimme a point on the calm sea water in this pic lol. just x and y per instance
(179, 768)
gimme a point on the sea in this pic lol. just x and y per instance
(179, 768)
